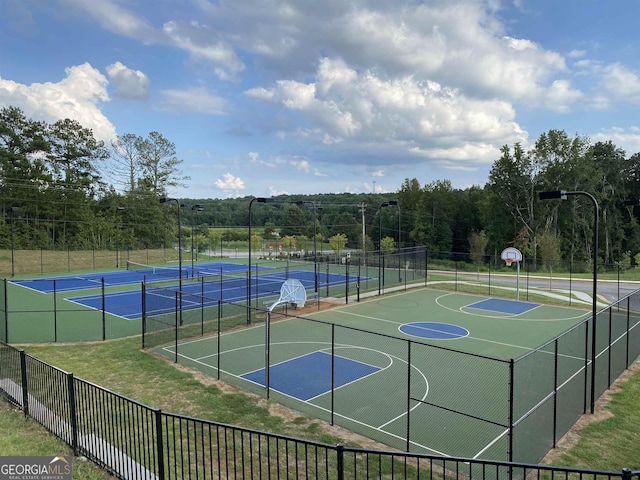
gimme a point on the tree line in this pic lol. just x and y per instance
(62, 188)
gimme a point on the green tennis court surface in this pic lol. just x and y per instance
(426, 365)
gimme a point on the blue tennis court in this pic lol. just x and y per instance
(203, 294)
(136, 275)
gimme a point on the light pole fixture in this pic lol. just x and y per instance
(195, 208)
(315, 235)
(14, 210)
(390, 203)
(562, 195)
(118, 210)
(259, 200)
(175, 200)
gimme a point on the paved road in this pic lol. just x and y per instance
(611, 290)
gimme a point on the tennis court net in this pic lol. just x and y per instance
(165, 272)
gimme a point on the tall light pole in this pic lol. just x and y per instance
(118, 210)
(259, 200)
(562, 195)
(175, 200)
(14, 210)
(195, 208)
(315, 235)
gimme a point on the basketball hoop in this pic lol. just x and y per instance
(511, 255)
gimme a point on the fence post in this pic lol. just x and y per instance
(104, 315)
(55, 313)
(159, 444)
(346, 293)
(408, 445)
(340, 461)
(6, 312)
(511, 419)
(178, 306)
(23, 376)
(72, 405)
(144, 312)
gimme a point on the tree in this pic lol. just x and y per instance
(338, 242)
(159, 163)
(549, 250)
(295, 221)
(515, 179)
(387, 245)
(126, 156)
(477, 247)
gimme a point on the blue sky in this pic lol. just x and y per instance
(266, 97)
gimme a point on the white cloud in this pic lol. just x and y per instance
(302, 165)
(78, 96)
(196, 100)
(111, 16)
(230, 182)
(410, 114)
(626, 138)
(131, 84)
(201, 43)
(622, 83)
(560, 97)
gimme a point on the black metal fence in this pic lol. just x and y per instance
(134, 441)
(526, 403)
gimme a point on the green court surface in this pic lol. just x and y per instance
(425, 370)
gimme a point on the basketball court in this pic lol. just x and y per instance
(427, 365)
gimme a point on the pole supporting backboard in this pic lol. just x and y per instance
(512, 255)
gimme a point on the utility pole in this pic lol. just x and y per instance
(363, 207)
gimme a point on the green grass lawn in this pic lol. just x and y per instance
(20, 436)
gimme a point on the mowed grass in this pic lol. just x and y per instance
(20, 436)
(120, 365)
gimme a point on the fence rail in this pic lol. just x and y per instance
(134, 441)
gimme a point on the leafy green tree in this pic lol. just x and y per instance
(159, 163)
(435, 217)
(295, 222)
(338, 242)
(387, 244)
(288, 241)
(549, 251)
(515, 179)
(477, 247)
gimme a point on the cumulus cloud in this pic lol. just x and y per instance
(622, 83)
(626, 138)
(196, 100)
(130, 84)
(230, 182)
(414, 115)
(78, 96)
